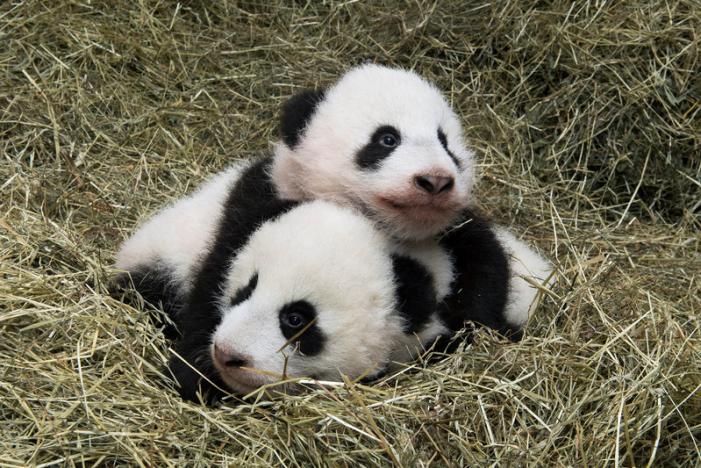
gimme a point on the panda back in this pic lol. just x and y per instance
(171, 243)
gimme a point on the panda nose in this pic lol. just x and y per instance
(229, 358)
(434, 184)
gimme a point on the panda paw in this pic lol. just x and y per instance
(191, 383)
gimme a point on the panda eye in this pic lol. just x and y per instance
(298, 326)
(444, 143)
(389, 140)
(296, 315)
(294, 320)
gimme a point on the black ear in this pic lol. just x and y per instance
(416, 295)
(296, 114)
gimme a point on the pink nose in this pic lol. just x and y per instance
(229, 358)
(434, 184)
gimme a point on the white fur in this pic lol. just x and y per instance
(178, 235)
(525, 264)
(336, 260)
(323, 164)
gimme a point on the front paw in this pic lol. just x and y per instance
(194, 384)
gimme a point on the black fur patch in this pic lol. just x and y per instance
(251, 202)
(444, 143)
(371, 155)
(157, 289)
(416, 295)
(380, 372)
(296, 114)
(311, 342)
(446, 344)
(480, 289)
(244, 293)
(190, 383)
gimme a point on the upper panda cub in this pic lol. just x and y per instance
(385, 141)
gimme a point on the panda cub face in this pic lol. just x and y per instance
(312, 294)
(383, 140)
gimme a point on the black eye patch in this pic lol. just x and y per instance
(383, 141)
(244, 293)
(295, 318)
(444, 143)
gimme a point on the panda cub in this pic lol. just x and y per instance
(318, 293)
(262, 289)
(385, 141)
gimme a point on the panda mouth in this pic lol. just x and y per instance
(394, 204)
(419, 207)
(243, 380)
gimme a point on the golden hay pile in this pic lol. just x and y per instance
(586, 121)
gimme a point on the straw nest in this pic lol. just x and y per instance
(585, 117)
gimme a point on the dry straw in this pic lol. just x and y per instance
(585, 116)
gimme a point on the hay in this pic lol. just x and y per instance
(586, 119)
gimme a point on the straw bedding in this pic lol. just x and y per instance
(585, 117)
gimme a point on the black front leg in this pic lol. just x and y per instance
(189, 368)
(480, 290)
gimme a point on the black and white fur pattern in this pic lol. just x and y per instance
(370, 302)
(181, 257)
(164, 254)
(328, 263)
(333, 147)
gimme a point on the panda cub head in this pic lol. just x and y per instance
(383, 140)
(313, 294)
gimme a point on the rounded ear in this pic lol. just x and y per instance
(296, 114)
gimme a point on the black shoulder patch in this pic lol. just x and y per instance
(190, 365)
(375, 151)
(251, 202)
(296, 114)
(295, 319)
(415, 293)
(480, 289)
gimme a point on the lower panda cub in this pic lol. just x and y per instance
(262, 289)
(317, 292)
